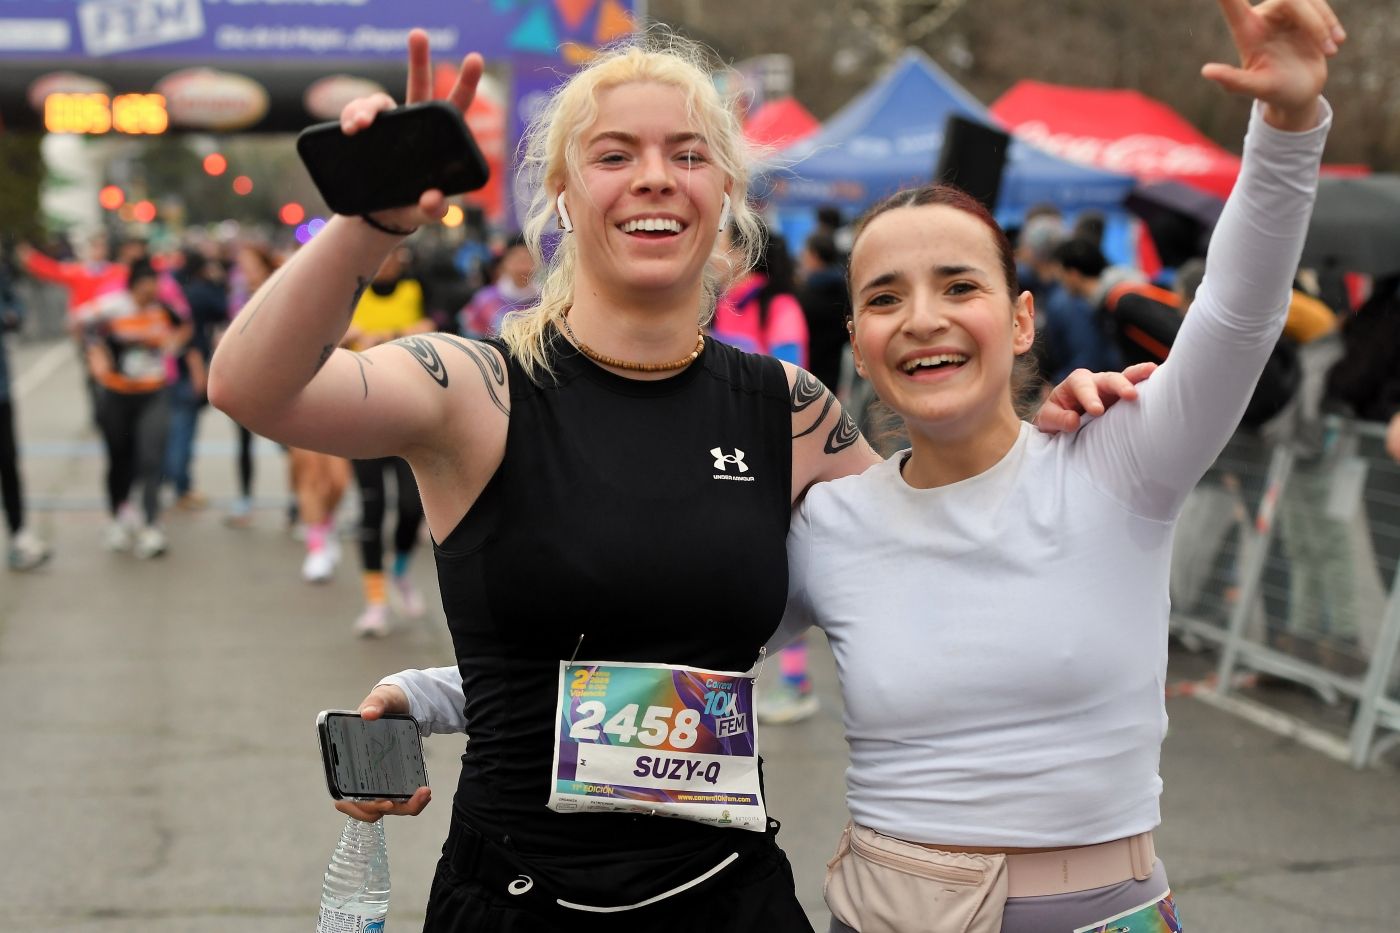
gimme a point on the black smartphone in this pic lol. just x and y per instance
(371, 759)
(403, 153)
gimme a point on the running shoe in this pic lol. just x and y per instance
(118, 536)
(192, 501)
(27, 550)
(150, 542)
(319, 566)
(785, 703)
(407, 602)
(373, 622)
(240, 514)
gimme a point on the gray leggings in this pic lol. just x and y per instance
(1065, 913)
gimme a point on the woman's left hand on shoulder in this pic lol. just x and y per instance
(1086, 393)
(1283, 47)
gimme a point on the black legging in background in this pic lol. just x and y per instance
(134, 428)
(245, 462)
(9, 470)
(369, 474)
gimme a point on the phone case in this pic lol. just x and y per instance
(327, 751)
(404, 152)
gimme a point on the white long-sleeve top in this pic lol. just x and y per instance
(1001, 641)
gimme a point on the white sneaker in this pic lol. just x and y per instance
(150, 542)
(27, 550)
(407, 602)
(117, 536)
(373, 622)
(319, 566)
(783, 703)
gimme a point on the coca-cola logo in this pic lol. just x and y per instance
(202, 98)
(1140, 154)
(325, 98)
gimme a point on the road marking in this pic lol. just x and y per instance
(54, 358)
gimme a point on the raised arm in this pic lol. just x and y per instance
(278, 370)
(1149, 456)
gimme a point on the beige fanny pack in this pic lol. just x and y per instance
(880, 884)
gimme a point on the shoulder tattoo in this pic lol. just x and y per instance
(807, 390)
(843, 435)
(493, 374)
(422, 350)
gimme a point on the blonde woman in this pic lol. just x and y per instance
(603, 484)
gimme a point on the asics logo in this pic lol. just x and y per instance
(521, 885)
(723, 460)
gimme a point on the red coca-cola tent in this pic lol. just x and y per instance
(1124, 131)
(780, 123)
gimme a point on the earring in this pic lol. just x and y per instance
(724, 213)
(565, 223)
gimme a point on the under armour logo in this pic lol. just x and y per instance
(521, 885)
(722, 460)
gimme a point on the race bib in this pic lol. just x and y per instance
(657, 739)
(142, 363)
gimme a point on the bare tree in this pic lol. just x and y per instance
(1155, 46)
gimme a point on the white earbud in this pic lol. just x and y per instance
(565, 223)
(724, 213)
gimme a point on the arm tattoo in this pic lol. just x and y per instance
(843, 435)
(492, 373)
(326, 352)
(264, 293)
(422, 350)
(806, 391)
(361, 283)
(362, 361)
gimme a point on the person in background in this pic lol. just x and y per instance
(130, 336)
(759, 314)
(26, 549)
(826, 305)
(1077, 324)
(832, 222)
(253, 266)
(1036, 270)
(512, 287)
(207, 294)
(85, 278)
(390, 309)
(1089, 226)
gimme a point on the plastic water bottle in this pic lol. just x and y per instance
(355, 895)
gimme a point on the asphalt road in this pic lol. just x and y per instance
(159, 756)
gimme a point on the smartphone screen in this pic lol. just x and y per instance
(372, 759)
(403, 153)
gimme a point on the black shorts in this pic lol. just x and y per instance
(472, 891)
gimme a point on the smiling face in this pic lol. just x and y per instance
(646, 197)
(936, 327)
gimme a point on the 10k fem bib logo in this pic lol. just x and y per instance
(724, 461)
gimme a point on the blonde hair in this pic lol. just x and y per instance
(553, 154)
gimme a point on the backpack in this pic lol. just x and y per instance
(1144, 321)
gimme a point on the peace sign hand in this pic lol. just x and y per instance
(1283, 46)
(360, 113)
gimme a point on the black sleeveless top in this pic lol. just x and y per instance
(649, 517)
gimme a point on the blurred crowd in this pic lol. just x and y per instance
(144, 323)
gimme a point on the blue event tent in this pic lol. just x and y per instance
(891, 136)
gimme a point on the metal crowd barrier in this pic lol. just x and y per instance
(1285, 562)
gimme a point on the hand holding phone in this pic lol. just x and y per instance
(371, 759)
(403, 153)
(361, 113)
